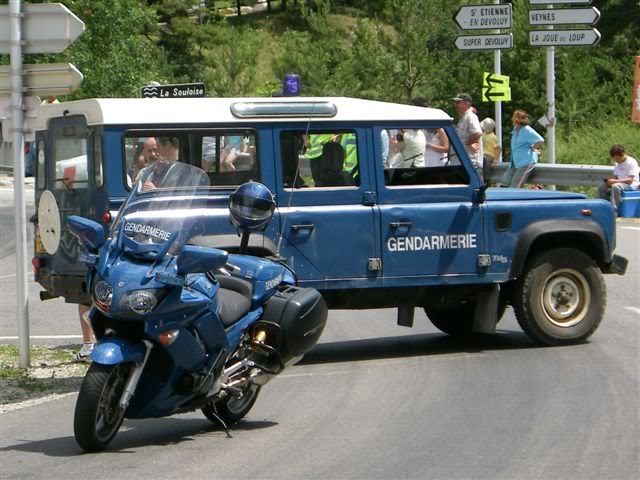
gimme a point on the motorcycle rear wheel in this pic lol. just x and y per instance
(232, 409)
(98, 416)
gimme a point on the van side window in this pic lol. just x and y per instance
(228, 157)
(40, 164)
(97, 160)
(423, 156)
(70, 158)
(319, 159)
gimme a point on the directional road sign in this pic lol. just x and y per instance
(499, 41)
(547, 2)
(484, 17)
(564, 16)
(43, 79)
(46, 28)
(491, 95)
(495, 88)
(182, 90)
(564, 38)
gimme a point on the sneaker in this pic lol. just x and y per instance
(84, 355)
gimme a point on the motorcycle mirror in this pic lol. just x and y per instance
(90, 234)
(194, 259)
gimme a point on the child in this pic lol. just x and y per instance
(491, 146)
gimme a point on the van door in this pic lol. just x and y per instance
(429, 224)
(325, 213)
(69, 180)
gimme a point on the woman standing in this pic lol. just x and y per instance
(525, 142)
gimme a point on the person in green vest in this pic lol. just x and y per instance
(315, 142)
(348, 143)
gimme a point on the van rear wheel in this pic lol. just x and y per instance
(560, 297)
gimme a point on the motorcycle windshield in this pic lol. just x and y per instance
(160, 216)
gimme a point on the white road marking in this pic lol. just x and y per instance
(637, 229)
(10, 407)
(635, 310)
(13, 275)
(44, 337)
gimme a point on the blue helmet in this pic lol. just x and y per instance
(251, 206)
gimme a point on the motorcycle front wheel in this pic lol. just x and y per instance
(233, 408)
(98, 416)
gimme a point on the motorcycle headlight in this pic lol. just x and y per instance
(142, 301)
(103, 295)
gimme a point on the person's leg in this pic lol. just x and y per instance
(505, 181)
(604, 191)
(616, 194)
(87, 334)
(520, 176)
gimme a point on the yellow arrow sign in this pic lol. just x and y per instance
(495, 81)
(495, 95)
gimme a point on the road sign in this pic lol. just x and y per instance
(46, 28)
(492, 95)
(495, 88)
(43, 79)
(498, 41)
(182, 90)
(484, 17)
(564, 16)
(547, 2)
(564, 38)
(493, 80)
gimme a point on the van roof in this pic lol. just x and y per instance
(136, 111)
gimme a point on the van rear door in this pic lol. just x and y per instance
(68, 181)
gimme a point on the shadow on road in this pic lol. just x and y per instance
(139, 433)
(413, 346)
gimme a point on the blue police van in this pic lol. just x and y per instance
(361, 215)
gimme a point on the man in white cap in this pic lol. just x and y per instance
(469, 130)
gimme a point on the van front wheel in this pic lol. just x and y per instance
(560, 297)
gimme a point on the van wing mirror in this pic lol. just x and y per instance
(194, 259)
(89, 233)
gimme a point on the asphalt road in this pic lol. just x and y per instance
(377, 401)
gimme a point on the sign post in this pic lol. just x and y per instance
(551, 38)
(17, 149)
(39, 28)
(635, 96)
(494, 17)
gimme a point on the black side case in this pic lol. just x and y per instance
(301, 314)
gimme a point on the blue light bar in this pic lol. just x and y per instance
(283, 109)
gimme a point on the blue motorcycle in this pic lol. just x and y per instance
(182, 327)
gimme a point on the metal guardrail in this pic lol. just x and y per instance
(560, 174)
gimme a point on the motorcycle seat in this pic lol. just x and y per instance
(234, 299)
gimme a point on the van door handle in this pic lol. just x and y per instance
(306, 226)
(401, 224)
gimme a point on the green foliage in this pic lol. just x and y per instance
(591, 143)
(390, 50)
(115, 53)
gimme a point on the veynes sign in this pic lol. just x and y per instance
(183, 90)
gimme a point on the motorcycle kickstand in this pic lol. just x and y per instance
(224, 425)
